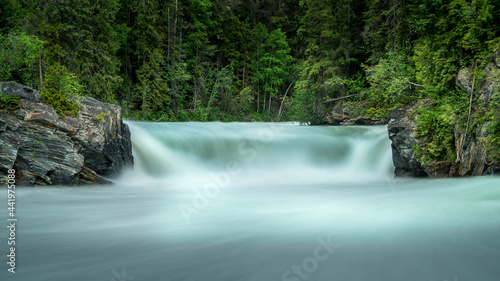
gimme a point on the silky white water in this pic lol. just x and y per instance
(259, 201)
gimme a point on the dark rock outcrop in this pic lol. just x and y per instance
(402, 133)
(472, 158)
(471, 149)
(45, 148)
(464, 80)
(402, 129)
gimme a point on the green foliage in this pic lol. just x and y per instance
(36, 148)
(60, 102)
(390, 81)
(376, 112)
(61, 89)
(494, 140)
(242, 103)
(494, 129)
(151, 87)
(101, 116)
(435, 66)
(387, 28)
(453, 36)
(271, 63)
(80, 35)
(18, 52)
(8, 102)
(307, 103)
(435, 125)
(223, 60)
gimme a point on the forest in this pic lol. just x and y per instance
(245, 60)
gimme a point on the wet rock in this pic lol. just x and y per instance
(89, 177)
(402, 133)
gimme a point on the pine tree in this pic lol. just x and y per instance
(79, 35)
(273, 64)
(149, 39)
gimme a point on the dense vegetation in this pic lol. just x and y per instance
(174, 60)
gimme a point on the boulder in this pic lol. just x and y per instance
(402, 133)
(464, 80)
(103, 138)
(18, 90)
(486, 87)
(490, 84)
(47, 149)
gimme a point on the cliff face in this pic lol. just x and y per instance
(45, 148)
(472, 157)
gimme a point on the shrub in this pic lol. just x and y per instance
(8, 102)
(61, 89)
(435, 124)
(390, 81)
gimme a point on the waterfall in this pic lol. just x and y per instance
(277, 153)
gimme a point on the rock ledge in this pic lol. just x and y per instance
(47, 149)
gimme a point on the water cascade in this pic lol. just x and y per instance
(259, 202)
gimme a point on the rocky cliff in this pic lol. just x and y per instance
(471, 157)
(47, 149)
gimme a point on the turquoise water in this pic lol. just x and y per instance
(258, 201)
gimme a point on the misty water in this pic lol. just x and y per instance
(258, 201)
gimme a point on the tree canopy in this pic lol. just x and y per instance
(201, 59)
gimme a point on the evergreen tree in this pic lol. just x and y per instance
(79, 35)
(149, 39)
(201, 59)
(273, 65)
(18, 55)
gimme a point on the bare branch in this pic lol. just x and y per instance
(341, 98)
(415, 84)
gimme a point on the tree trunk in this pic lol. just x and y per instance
(243, 81)
(471, 96)
(144, 98)
(258, 100)
(264, 103)
(168, 34)
(283, 101)
(41, 75)
(269, 105)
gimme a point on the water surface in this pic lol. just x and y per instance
(259, 201)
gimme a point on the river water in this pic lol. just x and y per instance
(258, 201)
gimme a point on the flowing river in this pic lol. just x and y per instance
(258, 202)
